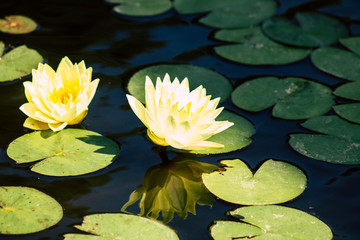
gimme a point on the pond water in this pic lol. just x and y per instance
(116, 47)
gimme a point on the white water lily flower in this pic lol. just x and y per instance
(177, 117)
(57, 99)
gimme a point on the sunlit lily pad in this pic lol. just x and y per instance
(17, 24)
(272, 223)
(274, 182)
(26, 210)
(108, 226)
(66, 153)
(234, 138)
(228, 13)
(18, 62)
(251, 46)
(314, 30)
(141, 8)
(215, 84)
(294, 98)
(339, 143)
(352, 43)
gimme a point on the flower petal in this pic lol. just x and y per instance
(57, 126)
(155, 139)
(137, 108)
(35, 124)
(203, 145)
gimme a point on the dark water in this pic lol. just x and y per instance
(116, 47)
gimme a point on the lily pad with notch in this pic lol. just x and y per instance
(69, 152)
(141, 8)
(17, 24)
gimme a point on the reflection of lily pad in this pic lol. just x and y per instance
(273, 182)
(228, 13)
(109, 226)
(233, 138)
(17, 24)
(141, 7)
(18, 62)
(215, 84)
(271, 223)
(66, 153)
(294, 98)
(341, 144)
(26, 210)
(314, 30)
(254, 48)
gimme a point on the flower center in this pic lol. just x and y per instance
(61, 96)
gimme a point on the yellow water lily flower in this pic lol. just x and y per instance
(177, 117)
(57, 99)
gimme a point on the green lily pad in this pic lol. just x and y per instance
(314, 30)
(17, 24)
(272, 223)
(18, 62)
(337, 62)
(234, 138)
(352, 43)
(349, 90)
(108, 226)
(254, 48)
(349, 111)
(340, 144)
(229, 13)
(66, 153)
(141, 8)
(274, 182)
(294, 98)
(26, 210)
(215, 84)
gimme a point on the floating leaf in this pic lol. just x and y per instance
(26, 210)
(17, 24)
(108, 226)
(273, 182)
(65, 153)
(254, 48)
(337, 62)
(18, 62)
(341, 144)
(314, 30)
(352, 43)
(294, 98)
(349, 111)
(215, 84)
(228, 13)
(271, 223)
(349, 91)
(141, 8)
(233, 138)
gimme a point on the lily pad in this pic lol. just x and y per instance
(314, 30)
(66, 153)
(229, 13)
(337, 62)
(340, 144)
(294, 98)
(17, 24)
(272, 223)
(26, 210)
(352, 43)
(18, 62)
(215, 84)
(141, 8)
(108, 226)
(350, 111)
(274, 182)
(349, 91)
(254, 48)
(234, 138)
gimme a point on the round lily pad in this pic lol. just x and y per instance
(141, 8)
(339, 143)
(337, 62)
(294, 98)
(66, 153)
(273, 182)
(349, 111)
(254, 48)
(215, 84)
(17, 24)
(272, 223)
(349, 90)
(109, 226)
(26, 210)
(313, 30)
(352, 43)
(18, 62)
(234, 138)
